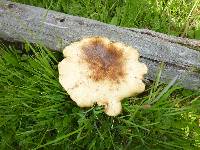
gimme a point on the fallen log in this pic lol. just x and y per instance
(55, 30)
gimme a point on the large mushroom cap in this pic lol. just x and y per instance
(96, 70)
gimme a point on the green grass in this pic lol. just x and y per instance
(175, 17)
(35, 112)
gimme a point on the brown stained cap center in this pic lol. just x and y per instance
(104, 60)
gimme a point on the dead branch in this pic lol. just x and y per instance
(55, 30)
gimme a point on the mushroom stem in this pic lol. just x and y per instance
(113, 108)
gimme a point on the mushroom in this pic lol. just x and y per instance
(96, 70)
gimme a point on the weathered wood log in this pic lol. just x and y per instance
(55, 30)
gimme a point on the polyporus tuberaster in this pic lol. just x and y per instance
(96, 70)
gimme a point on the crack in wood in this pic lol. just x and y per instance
(190, 43)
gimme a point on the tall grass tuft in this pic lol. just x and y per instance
(35, 112)
(175, 17)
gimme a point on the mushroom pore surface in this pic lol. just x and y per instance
(98, 71)
(105, 60)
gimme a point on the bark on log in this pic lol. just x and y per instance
(55, 30)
